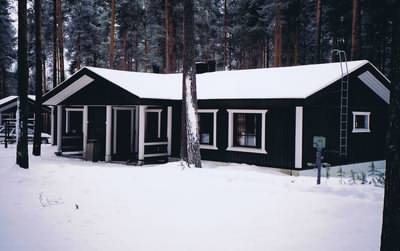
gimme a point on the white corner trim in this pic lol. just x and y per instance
(108, 133)
(59, 128)
(169, 129)
(231, 147)
(361, 130)
(214, 145)
(85, 124)
(299, 138)
(142, 126)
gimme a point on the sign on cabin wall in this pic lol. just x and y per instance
(319, 142)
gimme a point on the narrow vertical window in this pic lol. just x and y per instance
(208, 128)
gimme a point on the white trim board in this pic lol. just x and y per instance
(69, 90)
(231, 147)
(299, 138)
(375, 85)
(214, 145)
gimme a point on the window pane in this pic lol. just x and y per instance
(247, 130)
(75, 122)
(361, 122)
(206, 122)
(151, 126)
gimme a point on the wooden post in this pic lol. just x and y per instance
(59, 128)
(108, 132)
(318, 164)
(169, 129)
(52, 125)
(85, 129)
(66, 121)
(141, 132)
(136, 129)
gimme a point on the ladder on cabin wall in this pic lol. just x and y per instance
(344, 103)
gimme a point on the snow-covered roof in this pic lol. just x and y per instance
(12, 98)
(144, 85)
(269, 83)
(294, 82)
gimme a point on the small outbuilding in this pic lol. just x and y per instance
(8, 110)
(266, 117)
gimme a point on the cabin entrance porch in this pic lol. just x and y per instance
(136, 134)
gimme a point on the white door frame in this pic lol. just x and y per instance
(115, 124)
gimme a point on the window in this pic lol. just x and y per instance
(208, 128)
(361, 122)
(73, 120)
(153, 124)
(247, 131)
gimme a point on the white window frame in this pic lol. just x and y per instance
(67, 115)
(231, 147)
(214, 145)
(361, 130)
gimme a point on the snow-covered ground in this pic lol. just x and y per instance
(70, 204)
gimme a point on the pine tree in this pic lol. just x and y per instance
(170, 61)
(38, 80)
(189, 90)
(355, 31)
(318, 33)
(7, 44)
(111, 53)
(391, 209)
(23, 77)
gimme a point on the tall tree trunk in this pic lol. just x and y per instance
(268, 52)
(38, 81)
(124, 61)
(226, 34)
(55, 48)
(189, 89)
(355, 31)
(318, 33)
(2, 82)
(23, 78)
(170, 64)
(391, 210)
(44, 76)
(60, 39)
(112, 37)
(278, 36)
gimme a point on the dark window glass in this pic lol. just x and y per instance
(151, 126)
(75, 122)
(361, 121)
(247, 130)
(206, 122)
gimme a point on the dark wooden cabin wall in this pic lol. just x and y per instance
(279, 136)
(321, 118)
